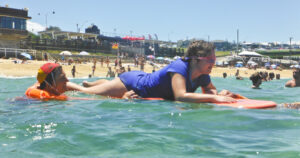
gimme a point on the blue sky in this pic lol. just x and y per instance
(257, 20)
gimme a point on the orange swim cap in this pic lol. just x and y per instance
(45, 70)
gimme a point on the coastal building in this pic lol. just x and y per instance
(53, 34)
(222, 45)
(92, 29)
(12, 26)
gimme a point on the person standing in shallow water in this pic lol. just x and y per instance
(177, 81)
(295, 82)
(277, 76)
(256, 79)
(237, 75)
(73, 71)
(94, 67)
(107, 61)
(224, 74)
(101, 61)
(128, 68)
(110, 73)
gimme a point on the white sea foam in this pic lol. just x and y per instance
(70, 78)
(15, 77)
(87, 78)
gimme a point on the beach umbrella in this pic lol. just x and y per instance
(239, 65)
(295, 66)
(140, 38)
(267, 64)
(160, 58)
(176, 57)
(26, 55)
(84, 53)
(248, 53)
(151, 57)
(274, 66)
(168, 59)
(251, 63)
(65, 53)
(126, 38)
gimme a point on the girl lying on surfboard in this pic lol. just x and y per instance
(177, 81)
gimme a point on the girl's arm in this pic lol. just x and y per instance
(210, 89)
(180, 94)
(74, 87)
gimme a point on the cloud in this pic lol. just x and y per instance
(34, 27)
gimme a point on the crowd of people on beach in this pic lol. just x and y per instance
(114, 70)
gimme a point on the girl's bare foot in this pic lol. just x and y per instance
(86, 84)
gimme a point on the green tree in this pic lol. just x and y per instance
(53, 28)
(33, 36)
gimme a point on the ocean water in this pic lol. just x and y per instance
(138, 128)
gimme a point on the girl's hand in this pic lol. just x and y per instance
(130, 95)
(226, 93)
(223, 99)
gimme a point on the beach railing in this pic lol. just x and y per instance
(13, 52)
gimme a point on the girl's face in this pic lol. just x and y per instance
(205, 64)
(60, 81)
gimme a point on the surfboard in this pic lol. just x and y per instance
(241, 103)
(250, 104)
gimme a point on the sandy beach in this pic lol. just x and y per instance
(10, 69)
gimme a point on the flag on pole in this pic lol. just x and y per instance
(115, 46)
(156, 38)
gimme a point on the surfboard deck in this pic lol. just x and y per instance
(250, 104)
(241, 103)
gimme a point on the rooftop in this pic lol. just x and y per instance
(20, 13)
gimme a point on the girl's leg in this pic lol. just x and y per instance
(113, 88)
(91, 84)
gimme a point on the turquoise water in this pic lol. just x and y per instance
(122, 128)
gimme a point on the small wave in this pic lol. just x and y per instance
(87, 78)
(22, 100)
(11, 91)
(15, 77)
(78, 78)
